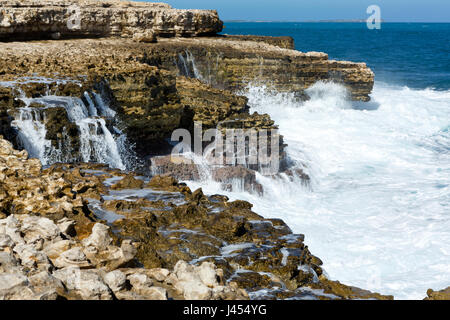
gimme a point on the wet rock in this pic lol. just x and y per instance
(178, 167)
(347, 292)
(128, 182)
(163, 182)
(228, 251)
(238, 175)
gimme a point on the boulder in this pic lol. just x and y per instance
(87, 283)
(38, 227)
(72, 257)
(99, 238)
(128, 182)
(116, 280)
(15, 287)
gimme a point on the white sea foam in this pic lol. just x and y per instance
(378, 208)
(97, 142)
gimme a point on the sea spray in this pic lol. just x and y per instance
(377, 209)
(99, 142)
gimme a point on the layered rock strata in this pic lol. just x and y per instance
(232, 63)
(143, 83)
(55, 19)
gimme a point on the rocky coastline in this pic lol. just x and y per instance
(76, 224)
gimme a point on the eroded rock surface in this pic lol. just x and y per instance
(438, 295)
(55, 19)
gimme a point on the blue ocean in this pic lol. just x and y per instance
(413, 54)
(377, 211)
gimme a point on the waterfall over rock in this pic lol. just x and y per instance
(82, 130)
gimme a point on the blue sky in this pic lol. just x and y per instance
(301, 10)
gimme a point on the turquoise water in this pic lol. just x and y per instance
(413, 54)
(378, 209)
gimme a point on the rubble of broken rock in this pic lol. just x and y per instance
(85, 231)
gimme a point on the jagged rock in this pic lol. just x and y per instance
(57, 19)
(6, 242)
(438, 295)
(285, 42)
(245, 177)
(7, 262)
(10, 226)
(33, 190)
(143, 286)
(164, 182)
(111, 257)
(232, 63)
(72, 257)
(87, 283)
(195, 283)
(54, 249)
(14, 287)
(139, 280)
(128, 295)
(193, 290)
(178, 167)
(159, 274)
(147, 37)
(32, 257)
(128, 182)
(38, 227)
(217, 241)
(99, 238)
(46, 285)
(67, 227)
(156, 293)
(116, 280)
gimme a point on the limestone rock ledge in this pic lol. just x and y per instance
(31, 19)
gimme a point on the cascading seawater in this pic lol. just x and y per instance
(377, 210)
(99, 142)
